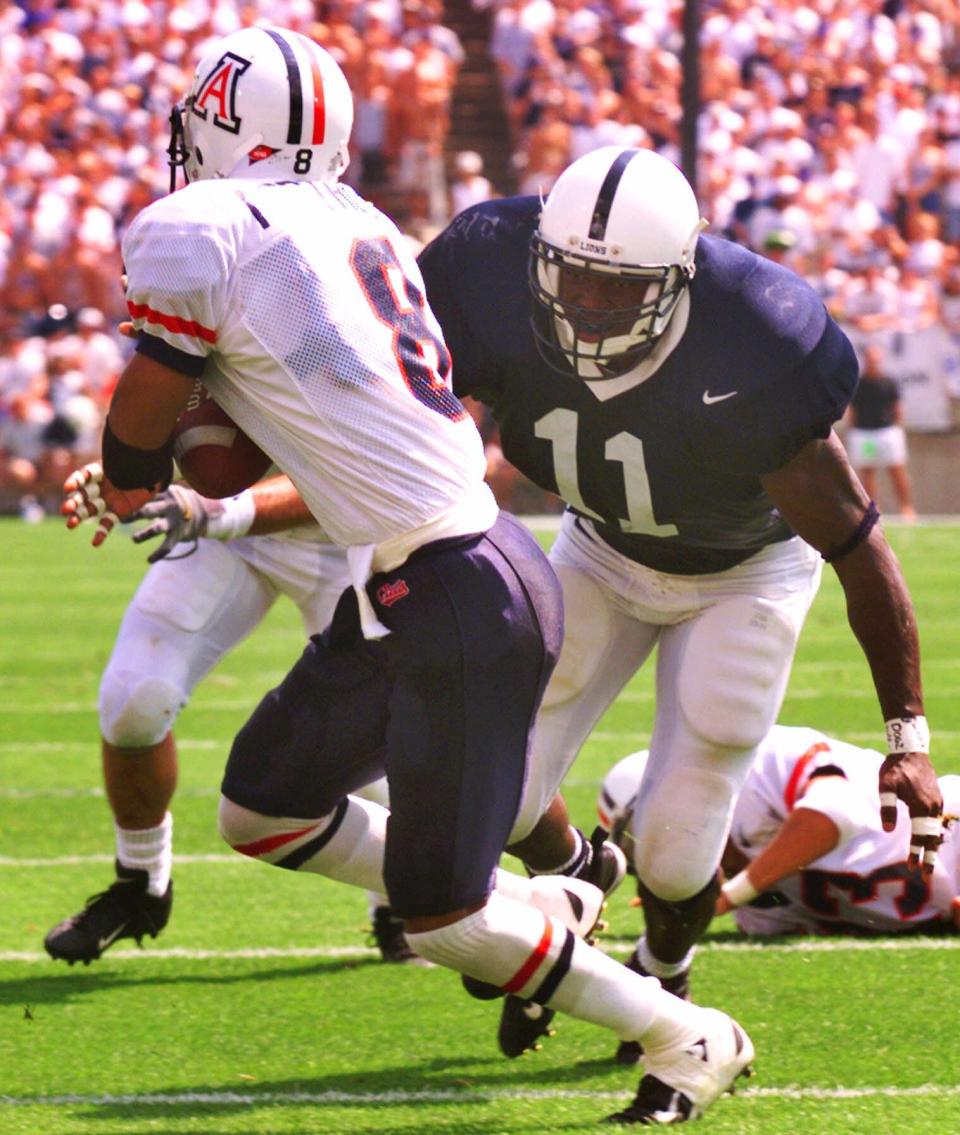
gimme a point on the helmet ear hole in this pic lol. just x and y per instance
(198, 154)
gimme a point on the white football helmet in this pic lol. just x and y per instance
(617, 794)
(265, 103)
(627, 213)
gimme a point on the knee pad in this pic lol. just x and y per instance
(241, 827)
(272, 839)
(137, 710)
(734, 671)
(680, 828)
(347, 844)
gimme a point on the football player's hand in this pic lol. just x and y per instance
(911, 778)
(178, 514)
(89, 495)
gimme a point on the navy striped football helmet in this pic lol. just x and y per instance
(611, 257)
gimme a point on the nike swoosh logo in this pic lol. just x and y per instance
(107, 939)
(709, 399)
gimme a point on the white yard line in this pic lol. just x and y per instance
(472, 1095)
(84, 860)
(257, 953)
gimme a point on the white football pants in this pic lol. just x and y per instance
(188, 613)
(725, 646)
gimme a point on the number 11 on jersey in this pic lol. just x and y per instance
(559, 427)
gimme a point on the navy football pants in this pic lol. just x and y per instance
(444, 705)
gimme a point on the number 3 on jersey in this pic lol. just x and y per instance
(397, 302)
(560, 428)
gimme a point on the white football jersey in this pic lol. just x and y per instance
(302, 307)
(864, 881)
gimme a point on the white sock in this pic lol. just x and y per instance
(663, 970)
(354, 854)
(581, 855)
(517, 948)
(375, 900)
(150, 850)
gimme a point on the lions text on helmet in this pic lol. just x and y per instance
(264, 103)
(611, 259)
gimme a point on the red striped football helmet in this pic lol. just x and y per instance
(264, 103)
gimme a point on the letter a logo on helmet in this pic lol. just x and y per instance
(218, 91)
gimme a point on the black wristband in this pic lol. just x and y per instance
(128, 467)
(863, 530)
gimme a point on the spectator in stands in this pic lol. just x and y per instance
(372, 95)
(875, 438)
(879, 160)
(419, 121)
(424, 18)
(779, 245)
(929, 255)
(98, 353)
(918, 306)
(35, 450)
(868, 300)
(469, 186)
(783, 212)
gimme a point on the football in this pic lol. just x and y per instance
(214, 455)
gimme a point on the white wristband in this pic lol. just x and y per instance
(907, 735)
(739, 890)
(233, 518)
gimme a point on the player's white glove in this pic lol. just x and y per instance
(181, 515)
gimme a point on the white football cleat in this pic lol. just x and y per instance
(680, 1083)
(574, 902)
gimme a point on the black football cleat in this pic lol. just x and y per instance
(125, 910)
(608, 865)
(482, 990)
(522, 1024)
(390, 940)
(629, 1051)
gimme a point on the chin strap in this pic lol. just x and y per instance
(177, 152)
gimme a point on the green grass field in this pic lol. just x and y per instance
(262, 1008)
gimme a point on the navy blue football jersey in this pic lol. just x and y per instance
(669, 471)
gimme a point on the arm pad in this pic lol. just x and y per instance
(128, 467)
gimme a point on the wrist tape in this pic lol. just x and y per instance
(907, 735)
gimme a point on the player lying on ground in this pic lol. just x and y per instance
(807, 852)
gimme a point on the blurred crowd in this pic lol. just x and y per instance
(829, 138)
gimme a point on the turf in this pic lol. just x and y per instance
(263, 1009)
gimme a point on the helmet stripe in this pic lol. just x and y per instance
(319, 103)
(295, 129)
(601, 210)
